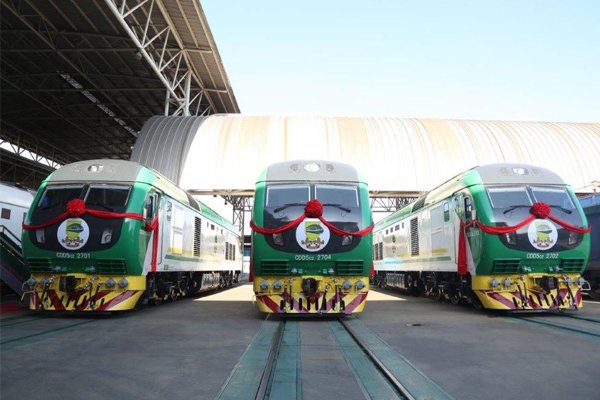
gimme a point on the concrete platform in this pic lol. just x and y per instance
(188, 349)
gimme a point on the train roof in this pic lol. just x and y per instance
(310, 170)
(107, 170)
(516, 173)
(489, 174)
(15, 195)
(104, 170)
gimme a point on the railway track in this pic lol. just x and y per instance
(276, 358)
(575, 324)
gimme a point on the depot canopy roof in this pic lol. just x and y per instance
(224, 154)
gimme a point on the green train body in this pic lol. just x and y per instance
(139, 238)
(309, 268)
(536, 267)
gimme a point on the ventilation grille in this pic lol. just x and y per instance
(39, 264)
(349, 267)
(274, 267)
(414, 237)
(197, 236)
(572, 265)
(111, 267)
(506, 266)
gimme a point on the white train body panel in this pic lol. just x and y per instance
(424, 241)
(192, 242)
(14, 204)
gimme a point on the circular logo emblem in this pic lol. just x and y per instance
(73, 233)
(312, 235)
(542, 234)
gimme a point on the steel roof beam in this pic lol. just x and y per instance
(49, 43)
(155, 56)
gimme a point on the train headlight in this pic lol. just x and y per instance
(278, 239)
(330, 271)
(276, 285)
(312, 167)
(511, 238)
(106, 236)
(581, 281)
(507, 282)
(360, 285)
(264, 285)
(346, 285)
(573, 238)
(40, 235)
(110, 283)
(31, 281)
(123, 283)
(346, 240)
(494, 283)
(294, 271)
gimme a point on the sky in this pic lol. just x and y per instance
(493, 60)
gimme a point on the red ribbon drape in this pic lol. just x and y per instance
(538, 210)
(76, 208)
(461, 258)
(312, 209)
(153, 227)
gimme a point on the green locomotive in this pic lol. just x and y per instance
(106, 235)
(499, 236)
(311, 240)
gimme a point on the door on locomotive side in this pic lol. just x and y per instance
(151, 214)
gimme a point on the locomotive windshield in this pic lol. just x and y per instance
(107, 197)
(100, 197)
(341, 207)
(554, 197)
(285, 203)
(59, 195)
(511, 205)
(502, 198)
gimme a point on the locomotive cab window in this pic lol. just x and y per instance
(506, 197)
(150, 206)
(468, 208)
(108, 197)
(287, 195)
(59, 195)
(346, 196)
(554, 197)
(446, 212)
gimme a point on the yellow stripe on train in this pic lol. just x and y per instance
(526, 293)
(329, 295)
(84, 292)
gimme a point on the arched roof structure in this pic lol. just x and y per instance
(399, 157)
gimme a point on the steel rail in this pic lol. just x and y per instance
(396, 384)
(266, 380)
(535, 321)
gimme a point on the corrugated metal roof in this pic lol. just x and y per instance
(399, 155)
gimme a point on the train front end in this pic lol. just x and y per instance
(528, 240)
(311, 240)
(85, 238)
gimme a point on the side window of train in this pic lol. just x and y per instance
(468, 208)
(150, 206)
(446, 211)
